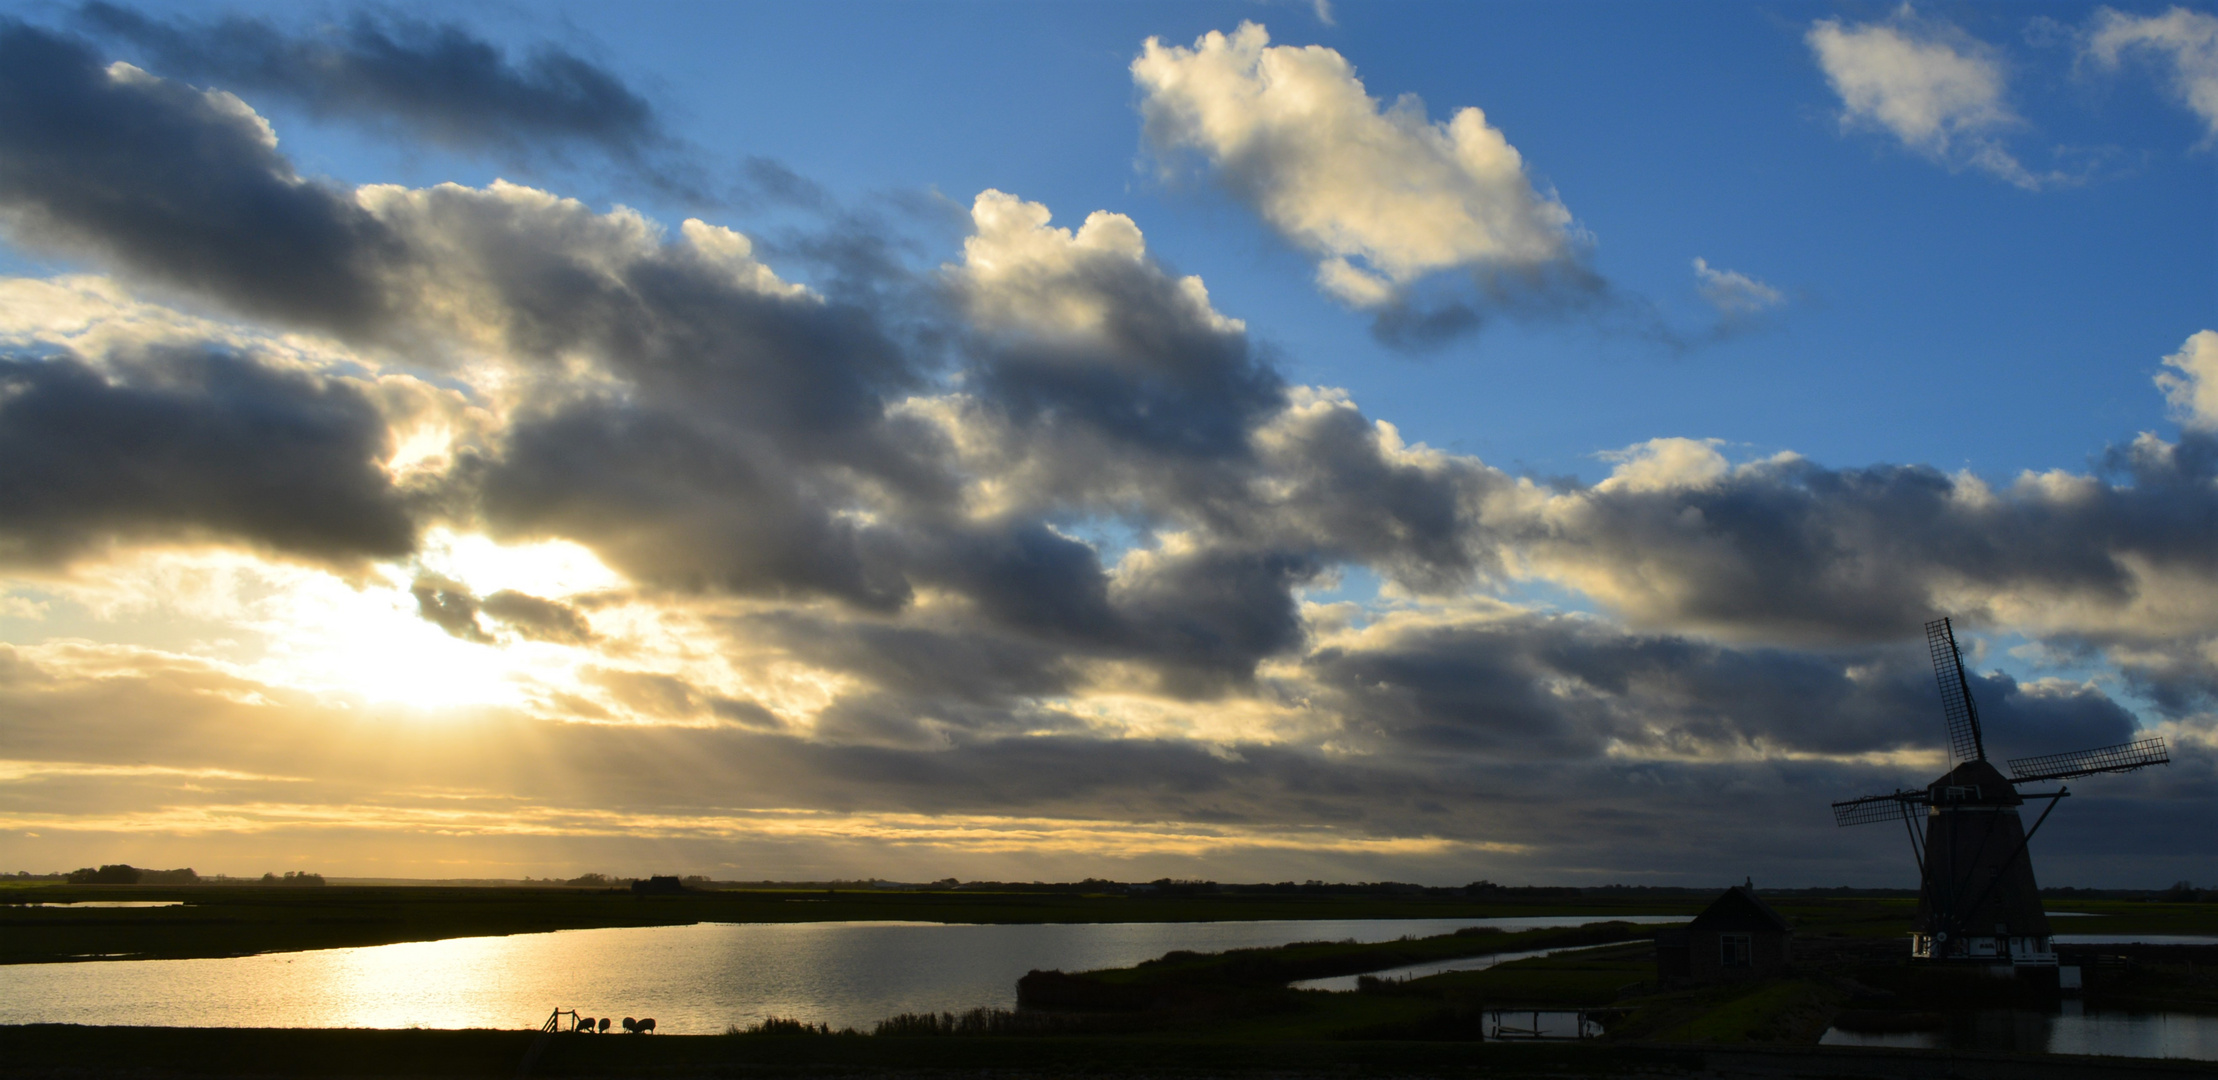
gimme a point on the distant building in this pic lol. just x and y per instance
(660, 883)
(1737, 937)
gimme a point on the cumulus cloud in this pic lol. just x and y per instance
(1734, 294)
(1379, 193)
(2194, 391)
(1938, 91)
(2185, 41)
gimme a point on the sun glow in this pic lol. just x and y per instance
(548, 569)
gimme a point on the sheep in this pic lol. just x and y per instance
(646, 1026)
(584, 1024)
(604, 1025)
(631, 1025)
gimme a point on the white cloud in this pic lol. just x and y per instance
(2194, 393)
(1732, 292)
(1022, 273)
(1938, 91)
(2188, 39)
(1379, 193)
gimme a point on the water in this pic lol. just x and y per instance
(2134, 939)
(1437, 967)
(2073, 1029)
(691, 979)
(107, 903)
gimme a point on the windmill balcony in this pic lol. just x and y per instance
(2029, 950)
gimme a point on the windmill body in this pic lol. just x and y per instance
(1979, 902)
(1977, 899)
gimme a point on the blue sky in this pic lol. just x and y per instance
(1954, 260)
(1933, 316)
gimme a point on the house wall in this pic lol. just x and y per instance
(1768, 953)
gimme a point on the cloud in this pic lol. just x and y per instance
(1009, 563)
(2194, 392)
(173, 183)
(1734, 294)
(1939, 92)
(1784, 548)
(191, 445)
(436, 82)
(1382, 196)
(2187, 40)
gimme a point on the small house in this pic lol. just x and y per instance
(1737, 937)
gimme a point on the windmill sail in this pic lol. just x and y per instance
(1873, 808)
(2123, 757)
(1964, 742)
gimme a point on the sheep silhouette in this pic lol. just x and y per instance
(584, 1024)
(631, 1025)
(604, 1025)
(646, 1026)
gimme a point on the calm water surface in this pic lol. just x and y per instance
(2070, 1030)
(691, 979)
(1438, 967)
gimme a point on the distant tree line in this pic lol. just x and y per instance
(126, 874)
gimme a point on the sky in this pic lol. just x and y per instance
(1242, 441)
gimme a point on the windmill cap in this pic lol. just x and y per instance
(1974, 782)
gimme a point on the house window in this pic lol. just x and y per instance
(1735, 950)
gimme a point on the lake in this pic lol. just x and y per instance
(692, 979)
(2071, 1029)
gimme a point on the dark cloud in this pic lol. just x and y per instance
(675, 506)
(191, 444)
(538, 618)
(450, 606)
(434, 81)
(176, 184)
(453, 607)
(1154, 378)
(1794, 549)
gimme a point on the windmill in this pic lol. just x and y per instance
(1976, 897)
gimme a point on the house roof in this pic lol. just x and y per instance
(1740, 909)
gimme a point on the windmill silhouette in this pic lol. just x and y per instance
(1976, 897)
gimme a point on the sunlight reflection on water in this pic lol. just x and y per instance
(692, 979)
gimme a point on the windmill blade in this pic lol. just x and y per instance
(2124, 757)
(1873, 808)
(1964, 742)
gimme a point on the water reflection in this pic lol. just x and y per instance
(106, 903)
(692, 979)
(1439, 967)
(2072, 1029)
